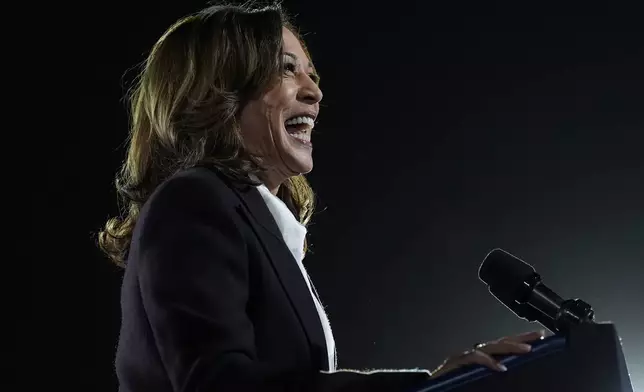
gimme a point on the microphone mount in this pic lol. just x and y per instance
(563, 313)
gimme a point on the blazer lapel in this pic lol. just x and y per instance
(268, 233)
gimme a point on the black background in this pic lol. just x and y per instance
(445, 131)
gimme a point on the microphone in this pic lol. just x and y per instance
(518, 286)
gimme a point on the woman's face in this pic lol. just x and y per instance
(277, 127)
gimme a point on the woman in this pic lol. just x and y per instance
(215, 296)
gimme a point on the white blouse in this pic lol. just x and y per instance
(294, 234)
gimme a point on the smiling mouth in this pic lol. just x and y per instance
(299, 128)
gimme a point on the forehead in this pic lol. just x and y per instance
(293, 45)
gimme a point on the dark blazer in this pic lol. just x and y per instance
(212, 300)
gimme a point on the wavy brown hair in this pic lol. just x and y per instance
(185, 109)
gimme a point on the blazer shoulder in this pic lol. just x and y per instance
(193, 198)
(196, 196)
(192, 188)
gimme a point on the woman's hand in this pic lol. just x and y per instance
(482, 353)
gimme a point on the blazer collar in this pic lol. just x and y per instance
(263, 224)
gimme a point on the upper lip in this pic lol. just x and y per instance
(311, 113)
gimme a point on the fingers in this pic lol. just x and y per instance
(473, 357)
(481, 358)
(468, 358)
(518, 344)
(482, 354)
(525, 337)
(505, 347)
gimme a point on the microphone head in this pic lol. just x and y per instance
(506, 274)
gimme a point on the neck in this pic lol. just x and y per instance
(273, 179)
(272, 188)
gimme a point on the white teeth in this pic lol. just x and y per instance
(300, 120)
(305, 137)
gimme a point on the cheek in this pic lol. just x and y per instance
(262, 120)
(273, 119)
(254, 125)
(277, 102)
(281, 96)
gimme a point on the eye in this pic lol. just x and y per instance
(290, 67)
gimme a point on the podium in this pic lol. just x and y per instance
(588, 358)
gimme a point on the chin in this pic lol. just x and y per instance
(300, 165)
(298, 159)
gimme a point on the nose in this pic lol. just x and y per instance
(310, 92)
